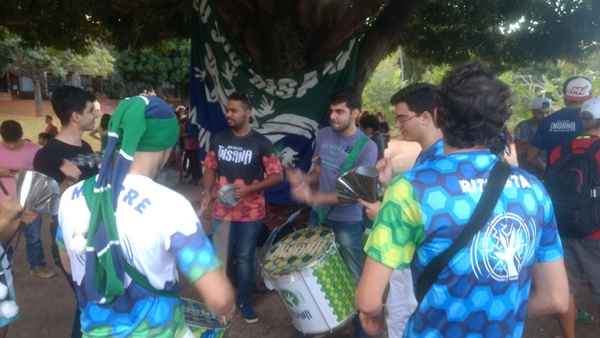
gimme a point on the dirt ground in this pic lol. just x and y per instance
(47, 306)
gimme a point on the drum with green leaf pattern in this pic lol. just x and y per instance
(310, 276)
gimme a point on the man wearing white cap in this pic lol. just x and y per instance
(572, 179)
(525, 130)
(563, 125)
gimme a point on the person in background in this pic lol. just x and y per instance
(525, 131)
(101, 133)
(563, 125)
(50, 127)
(370, 126)
(17, 154)
(44, 138)
(191, 146)
(182, 117)
(97, 108)
(582, 252)
(384, 128)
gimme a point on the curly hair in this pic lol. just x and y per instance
(475, 107)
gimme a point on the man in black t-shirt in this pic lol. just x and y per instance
(246, 159)
(62, 157)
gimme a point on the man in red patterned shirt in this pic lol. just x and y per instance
(246, 159)
(581, 243)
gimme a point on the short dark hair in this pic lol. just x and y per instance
(104, 120)
(475, 107)
(46, 136)
(419, 97)
(11, 131)
(67, 100)
(243, 98)
(369, 121)
(348, 97)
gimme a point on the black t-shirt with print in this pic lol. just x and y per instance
(49, 159)
(241, 157)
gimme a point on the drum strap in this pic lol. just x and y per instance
(487, 202)
(143, 281)
(348, 163)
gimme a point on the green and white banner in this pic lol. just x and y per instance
(287, 110)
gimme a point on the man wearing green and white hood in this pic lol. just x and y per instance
(126, 238)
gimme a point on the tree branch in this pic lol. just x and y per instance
(382, 39)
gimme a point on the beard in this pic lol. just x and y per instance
(341, 126)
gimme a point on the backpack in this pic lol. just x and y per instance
(574, 187)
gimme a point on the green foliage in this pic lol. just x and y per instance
(435, 75)
(385, 81)
(536, 79)
(547, 79)
(96, 61)
(434, 31)
(33, 61)
(505, 32)
(165, 65)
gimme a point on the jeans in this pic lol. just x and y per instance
(243, 237)
(35, 249)
(349, 237)
(76, 327)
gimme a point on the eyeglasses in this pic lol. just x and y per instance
(404, 119)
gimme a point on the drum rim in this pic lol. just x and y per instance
(338, 327)
(221, 326)
(331, 249)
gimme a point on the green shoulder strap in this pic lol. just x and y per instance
(143, 281)
(348, 163)
(356, 150)
(105, 281)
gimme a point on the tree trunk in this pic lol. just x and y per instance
(37, 94)
(382, 39)
(45, 92)
(8, 84)
(76, 79)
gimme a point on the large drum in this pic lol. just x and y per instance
(201, 321)
(309, 274)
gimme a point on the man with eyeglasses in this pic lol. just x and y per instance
(416, 109)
